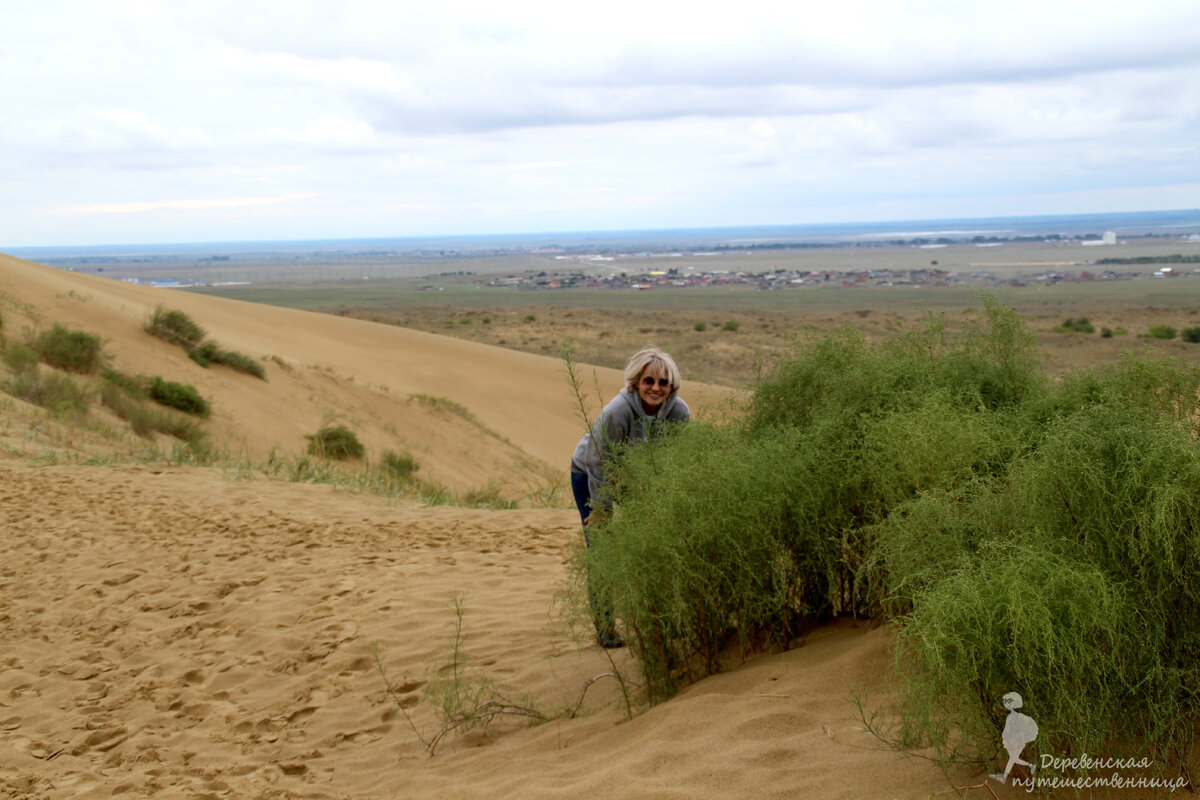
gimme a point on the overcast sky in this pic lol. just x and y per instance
(145, 121)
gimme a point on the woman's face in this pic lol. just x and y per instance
(653, 387)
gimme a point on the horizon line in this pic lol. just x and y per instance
(609, 231)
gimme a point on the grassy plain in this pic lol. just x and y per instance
(608, 325)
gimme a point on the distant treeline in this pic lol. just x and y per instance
(1174, 259)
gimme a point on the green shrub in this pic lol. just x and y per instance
(1161, 332)
(335, 442)
(1191, 335)
(1024, 536)
(700, 327)
(1106, 333)
(731, 325)
(131, 386)
(211, 353)
(1021, 617)
(49, 389)
(175, 327)
(401, 466)
(530, 318)
(20, 358)
(1080, 325)
(182, 396)
(764, 522)
(124, 398)
(73, 351)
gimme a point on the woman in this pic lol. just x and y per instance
(649, 399)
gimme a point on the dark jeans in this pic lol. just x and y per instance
(602, 617)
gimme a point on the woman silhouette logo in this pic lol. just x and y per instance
(1019, 730)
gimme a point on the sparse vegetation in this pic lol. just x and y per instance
(700, 327)
(489, 496)
(20, 358)
(69, 350)
(400, 466)
(210, 352)
(178, 328)
(1075, 325)
(50, 389)
(731, 325)
(1161, 332)
(124, 398)
(336, 441)
(182, 396)
(1191, 335)
(175, 327)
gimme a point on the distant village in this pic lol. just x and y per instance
(601, 272)
(787, 278)
(579, 268)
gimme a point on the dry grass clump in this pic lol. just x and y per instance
(335, 441)
(401, 466)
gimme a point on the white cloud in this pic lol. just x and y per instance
(189, 204)
(375, 118)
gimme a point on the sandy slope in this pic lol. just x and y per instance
(167, 632)
(336, 370)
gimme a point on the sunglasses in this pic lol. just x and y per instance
(663, 383)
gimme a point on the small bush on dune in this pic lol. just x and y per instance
(700, 556)
(211, 353)
(49, 389)
(401, 466)
(124, 397)
(700, 327)
(73, 351)
(337, 442)
(1020, 617)
(20, 358)
(1191, 335)
(175, 327)
(182, 396)
(1089, 545)
(131, 386)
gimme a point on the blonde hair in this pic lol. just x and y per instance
(651, 357)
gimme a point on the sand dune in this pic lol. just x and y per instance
(325, 368)
(169, 632)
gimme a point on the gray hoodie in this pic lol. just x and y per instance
(622, 420)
